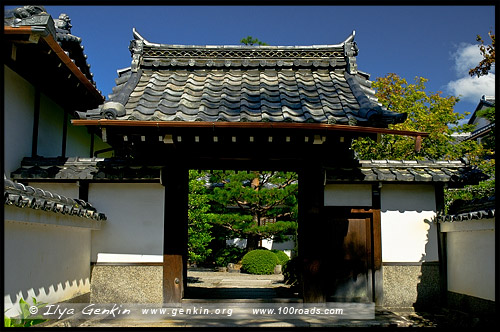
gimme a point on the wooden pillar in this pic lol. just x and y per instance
(311, 242)
(378, 273)
(175, 180)
(442, 254)
(36, 121)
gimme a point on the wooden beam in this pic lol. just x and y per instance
(418, 143)
(250, 125)
(72, 66)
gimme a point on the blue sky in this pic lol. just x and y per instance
(435, 42)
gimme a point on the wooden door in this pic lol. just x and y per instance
(352, 262)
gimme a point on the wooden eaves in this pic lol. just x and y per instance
(35, 33)
(257, 125)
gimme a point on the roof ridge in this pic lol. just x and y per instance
(139, 37)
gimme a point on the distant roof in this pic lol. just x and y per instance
(484, 102)
(23, 196)
(318, 84)
(455, 173)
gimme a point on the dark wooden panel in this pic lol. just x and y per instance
(352, 272)
(173, 276)
(378, 282)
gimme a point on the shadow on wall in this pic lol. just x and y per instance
(429, 285)
(42, 293)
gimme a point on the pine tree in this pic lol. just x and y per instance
(254, 205)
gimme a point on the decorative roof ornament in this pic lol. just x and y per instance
(136, 48)
(28, 11)
(34, 16)
(63, 24)
(350, 52)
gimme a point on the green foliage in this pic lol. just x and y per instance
(249, 40)
(228, 255)
(485, 161)
(199, 235)
(282, 257)
(487, 113)
(427, 112)
(259, 262)
(255, 205)
(432, 113)
(488, 53)
(469, 193)
(25, 319)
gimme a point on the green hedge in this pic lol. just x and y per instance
(259, 262)
(282, 257)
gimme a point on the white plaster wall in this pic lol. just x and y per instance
(134, 222)
(50, 128)
(48, 262)
(471, 260)
(18, 119)
(69, 190)
(408, 233)
(348, 195)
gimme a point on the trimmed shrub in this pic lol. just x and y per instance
(259, 262)
(282, 257)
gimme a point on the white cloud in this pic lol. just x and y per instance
(467, 56)
(472, 88)
(465, 87)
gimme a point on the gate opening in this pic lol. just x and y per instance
(232, 213)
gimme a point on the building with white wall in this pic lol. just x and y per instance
(378, 214)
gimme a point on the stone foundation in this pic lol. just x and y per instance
(126, 284)
(411, 286)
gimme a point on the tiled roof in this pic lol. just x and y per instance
(23, 196)
(455, 173)
(470, 210)
(484, 102)
(77, 168)
(319, 84)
